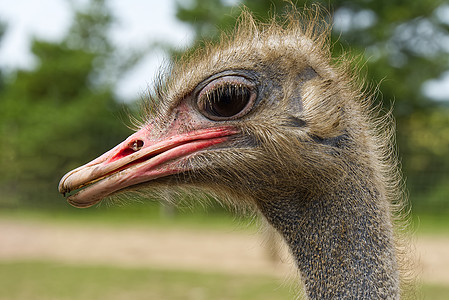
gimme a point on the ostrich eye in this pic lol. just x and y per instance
(225, 98)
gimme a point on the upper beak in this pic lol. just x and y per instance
(136, 160)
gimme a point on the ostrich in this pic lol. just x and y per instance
(267, 120)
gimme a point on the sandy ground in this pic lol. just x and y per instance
(219, 251)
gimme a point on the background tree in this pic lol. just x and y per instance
(2, 32)
(402, 45)
(63, 112)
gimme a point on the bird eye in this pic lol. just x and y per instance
(228, 97)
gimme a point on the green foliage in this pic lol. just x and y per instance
(208, 16)
(59, 115)
(2, 32)
(426, 137)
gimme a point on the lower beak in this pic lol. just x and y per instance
(136, 160)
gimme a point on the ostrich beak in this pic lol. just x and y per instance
(136, 160)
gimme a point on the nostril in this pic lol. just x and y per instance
(129, 149)
(136, 145)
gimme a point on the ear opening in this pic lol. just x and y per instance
(295, 105)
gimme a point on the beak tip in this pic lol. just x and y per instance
(62, 189)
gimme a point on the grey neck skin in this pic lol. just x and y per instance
(342, 243)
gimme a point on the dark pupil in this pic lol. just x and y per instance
(227, 100)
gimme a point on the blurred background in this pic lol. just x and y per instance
(72, 70)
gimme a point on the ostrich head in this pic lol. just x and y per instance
(266, 119)
(263, 113)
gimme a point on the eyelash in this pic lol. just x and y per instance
(226, 98)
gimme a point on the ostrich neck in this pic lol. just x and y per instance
(342, 242)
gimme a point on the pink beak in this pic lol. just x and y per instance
(136, 160)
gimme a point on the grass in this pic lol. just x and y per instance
(49, 280)
(434, 292)
(195, 217)
(431, 224)
(135, 214)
